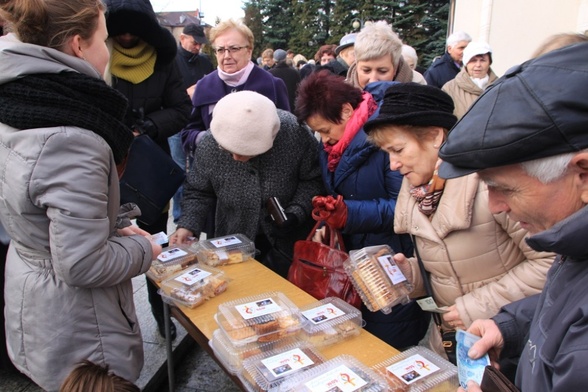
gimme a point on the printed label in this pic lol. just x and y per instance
(323, 313)
(193, 277)
(225, 241)
(258, 308)
(391, 269)
(285, 363)
(171, 254)
(340, 379)
(160, 238)
(412, 369)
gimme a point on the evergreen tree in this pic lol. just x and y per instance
(253, 20)
(305, 28)
(277, 18)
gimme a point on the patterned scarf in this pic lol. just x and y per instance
(67, 99)
(428, 195)
(135, 64)
(360, 115)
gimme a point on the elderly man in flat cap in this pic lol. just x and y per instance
(527, 137)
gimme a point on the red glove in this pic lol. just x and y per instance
(332, 211)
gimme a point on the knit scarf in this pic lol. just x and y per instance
(135, 64)
(67, 99)
(360, 115)
(238, 78)
(428, 195)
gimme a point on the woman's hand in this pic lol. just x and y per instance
(404, 265)
(452, 317)
(319, 235)
(181, 236)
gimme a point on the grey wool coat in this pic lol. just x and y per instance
(289, 171)
(68, 288)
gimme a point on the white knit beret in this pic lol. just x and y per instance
(245, 123)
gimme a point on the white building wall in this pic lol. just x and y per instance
(515, 28)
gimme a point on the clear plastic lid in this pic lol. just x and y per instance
(266, 371)
(194, 285)
(329, 321)
(419, 369)
(376, 277)
(343, 373)
(230, 249)
(263, 318)
(171, 260)
(232, 356)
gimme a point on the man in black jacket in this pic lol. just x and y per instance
(193, 66)
(143, 69)
(288, 74)
(447, 66)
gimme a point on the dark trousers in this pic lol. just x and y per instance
(154, 298)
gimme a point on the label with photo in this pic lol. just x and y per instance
(392, 270)
(323, 313)
(412, 369)
(225, 241)
(340, 379)
(285, 363)
(192, 277)
(258, 308)
(171, 254)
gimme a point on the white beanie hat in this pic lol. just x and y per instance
(475, 48)
(245, 123)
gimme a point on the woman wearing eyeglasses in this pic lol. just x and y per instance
(232, 43)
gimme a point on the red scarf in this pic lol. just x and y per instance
(360, 115)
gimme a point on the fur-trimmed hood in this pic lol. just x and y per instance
(138, 18)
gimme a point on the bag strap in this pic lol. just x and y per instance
(334, 236)
(426, 280)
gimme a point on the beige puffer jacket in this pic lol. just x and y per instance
(476, 260)
(464, 91)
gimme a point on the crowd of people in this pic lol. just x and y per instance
(478, 183)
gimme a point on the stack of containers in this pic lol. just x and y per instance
(376, 277)
(231, 249)
(329, 321)
(417, 370)
(342, 373)
(192, 286)
(171, 261)
(266, 371)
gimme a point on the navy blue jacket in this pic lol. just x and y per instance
(441, 71)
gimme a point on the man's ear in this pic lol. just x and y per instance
(579, 164)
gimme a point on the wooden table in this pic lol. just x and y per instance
(251, 278)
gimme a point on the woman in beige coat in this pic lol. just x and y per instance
(475, 76)
(477, 261)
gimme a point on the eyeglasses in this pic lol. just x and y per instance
(231, 49)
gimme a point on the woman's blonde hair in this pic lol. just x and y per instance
(51, 23)
(232, 24)
(377, 40)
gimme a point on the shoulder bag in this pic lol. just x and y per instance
(150, 178)
(317, 268)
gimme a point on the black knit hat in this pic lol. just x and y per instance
(138, 18)
(414, 104)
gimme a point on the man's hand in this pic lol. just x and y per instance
(491, 341)
(472, 387)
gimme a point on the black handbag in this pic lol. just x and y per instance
(447, 337)
(150, 179)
